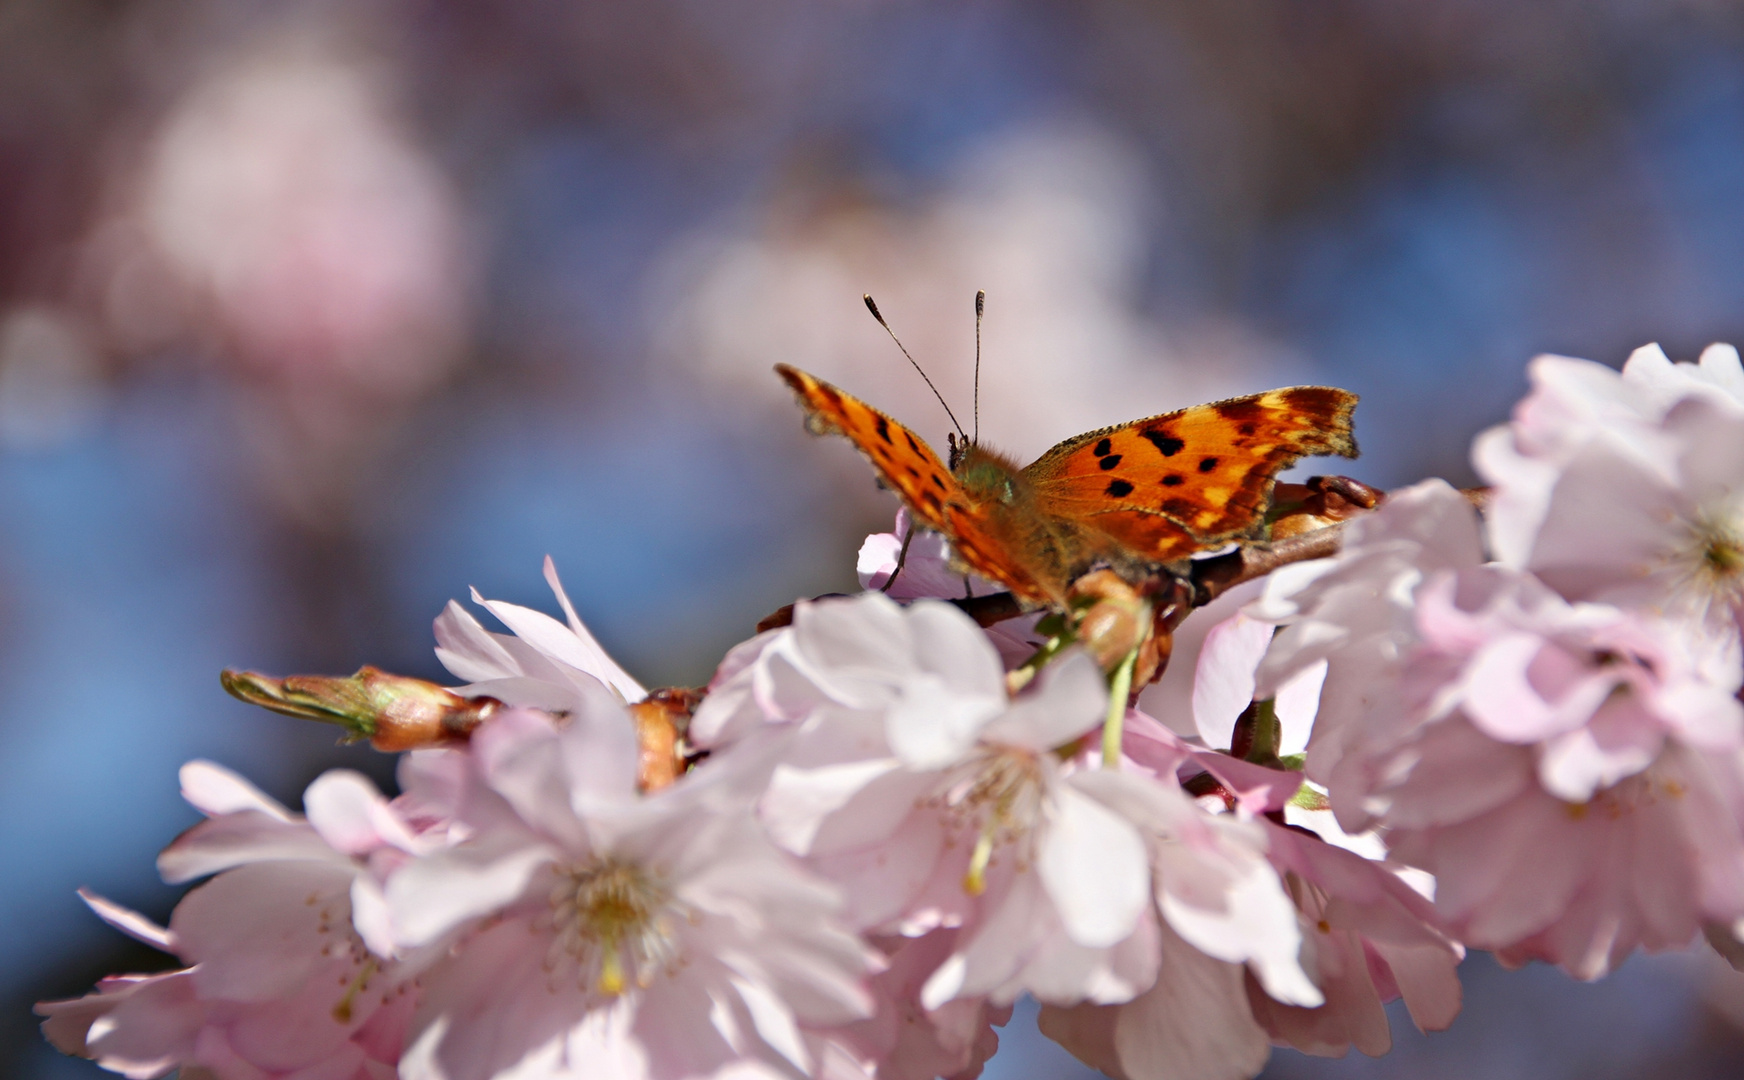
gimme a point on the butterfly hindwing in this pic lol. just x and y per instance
(1167, 486)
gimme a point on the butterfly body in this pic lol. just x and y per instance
(1138, 498)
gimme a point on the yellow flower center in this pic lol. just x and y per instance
(616, 921)
(999, 794)
(1710, 562)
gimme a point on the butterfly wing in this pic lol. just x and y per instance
(908, 466)
(1167, 486)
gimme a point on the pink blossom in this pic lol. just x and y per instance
(941, 802)
(1626, 488)
(281, 983)
(1356, 613)
(1569, 773)
(1368, 939)
(905, 1040)
(538, 666)
(1193, 1023)
(1717, 374)
(1598, 690)
(606, 933)
(927, 669)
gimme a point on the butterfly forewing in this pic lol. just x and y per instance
(1167, 486)
(910, 468)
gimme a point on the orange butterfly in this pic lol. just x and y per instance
(1135, 497)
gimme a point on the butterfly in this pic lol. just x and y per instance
(1138, 498)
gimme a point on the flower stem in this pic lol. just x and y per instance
(1119, 688)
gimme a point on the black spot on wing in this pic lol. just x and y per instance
(1102, 448)
(1207, 464)
(883, 425)
(912, 445)
(938, 481)
(1109, 462)
(1163, 441)
(1174, 480)
(1120, 489)
(912, 471)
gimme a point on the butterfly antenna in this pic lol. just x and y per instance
(873, 308)
(980, 306)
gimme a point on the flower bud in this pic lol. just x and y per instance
(394, 712)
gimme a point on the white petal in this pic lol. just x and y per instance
(1257, 923)
(600, 754)
(430, 896)
(1068, 699)
(600, 664)
(799, 800)
(1093, 864)
(371, 917)
(944, 984)
(559, 643)
(521, 757)
(257, 932)
(948, 642)
(129, 922)
(1223, 683)
(340, 804)
(931, 726)
(238, 838)
(467, 649)
(1297, 703)
(774, 1022)
(215, 790)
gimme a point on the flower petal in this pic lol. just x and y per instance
(1094, 866)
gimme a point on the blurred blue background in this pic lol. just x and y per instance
(314, 314)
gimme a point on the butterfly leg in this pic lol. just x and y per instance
(901, 559)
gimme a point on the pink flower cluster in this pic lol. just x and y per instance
(1521, 733)
(1540, 707)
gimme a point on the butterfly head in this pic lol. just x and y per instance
(985, 476)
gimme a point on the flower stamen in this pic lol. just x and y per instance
(1710, 562)
(614, 920)
(1001, 793)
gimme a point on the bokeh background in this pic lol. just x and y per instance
(314, 314)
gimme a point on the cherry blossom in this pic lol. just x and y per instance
(540, 665)
(905, 1040)
(1356, 613)
(1568, 772)
(1057, 874)
(280, 982)
(1369, 939)
(938, 801)
(882, 823)
(608, 933)
(1626, 488)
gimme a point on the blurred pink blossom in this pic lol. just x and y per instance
(1627, 488)
(281, 984)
